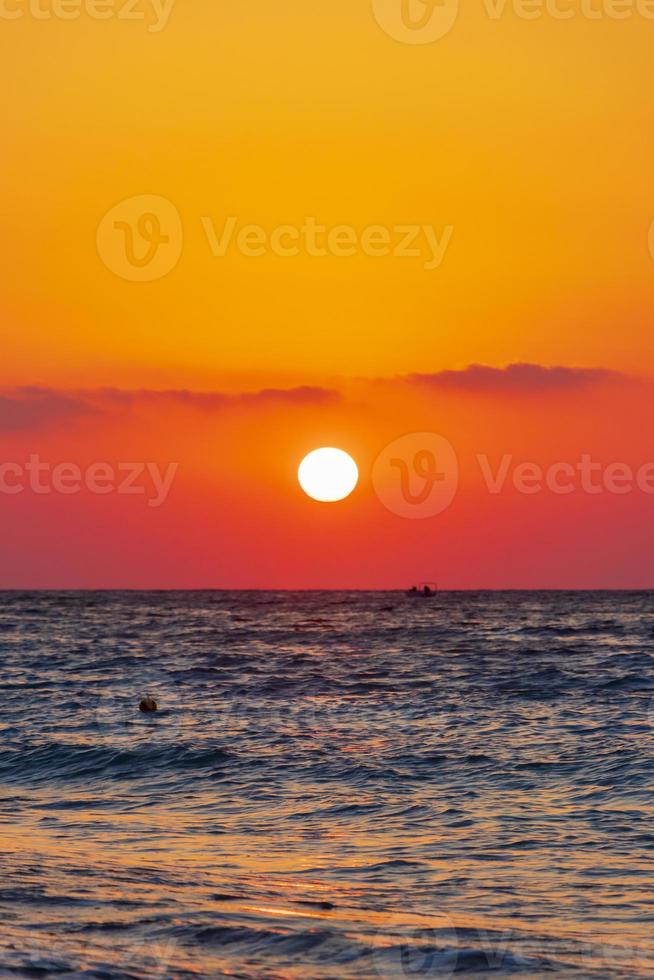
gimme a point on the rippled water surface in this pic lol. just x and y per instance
(335, 785)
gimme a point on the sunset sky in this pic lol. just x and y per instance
(522, 146)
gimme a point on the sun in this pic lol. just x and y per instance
(328, 475)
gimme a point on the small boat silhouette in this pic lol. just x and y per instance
(424, 590)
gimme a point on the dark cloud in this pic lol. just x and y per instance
(34, 409)
(522, 378)
(30, 409)
(37, 408)
(305, 395)
(213, 400)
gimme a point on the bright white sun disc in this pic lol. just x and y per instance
(328, 475)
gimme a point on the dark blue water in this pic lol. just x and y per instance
(335, 785)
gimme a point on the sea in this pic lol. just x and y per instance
(335, 785)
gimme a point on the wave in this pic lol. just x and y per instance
(60, 760)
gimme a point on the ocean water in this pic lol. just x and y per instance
(335, 785)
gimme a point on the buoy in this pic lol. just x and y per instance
(148, 704)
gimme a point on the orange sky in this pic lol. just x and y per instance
(521, 147)
(233, 515)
